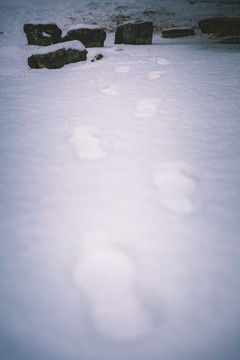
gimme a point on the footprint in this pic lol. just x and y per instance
(107, 277)
(86, 143)
(154, 75)
(176, 186)
(145, 108)
(103, 85)
(122, 69)
(160, 61)
(111, 89)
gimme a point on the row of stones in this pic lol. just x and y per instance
(136, 33)
(130, 33)
(218, 26)
(48, 34)
(76, 39)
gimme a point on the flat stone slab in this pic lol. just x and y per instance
(89, 35)
(177, 32)
(58, 55)
(42, 34)
(134, 33)
(234, 40)
(220, 26)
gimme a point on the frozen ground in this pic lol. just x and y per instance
(119, 191)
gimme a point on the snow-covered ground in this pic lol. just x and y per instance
(119, 190)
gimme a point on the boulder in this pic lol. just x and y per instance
(134, 33)
(42, 34)
(97, 57)
(58, 55)
(232, 40)
(89, 35)
(177, 32)
(220, 26)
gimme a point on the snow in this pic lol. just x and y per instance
(45, 34)
(80, 26)
(119, 190)
(74, 45)
(83, 26)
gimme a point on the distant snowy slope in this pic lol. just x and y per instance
(163, 13)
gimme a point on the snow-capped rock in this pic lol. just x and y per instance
(135, 33)
(89, 35)
(42, 34)
(58, 55)
(177, 32)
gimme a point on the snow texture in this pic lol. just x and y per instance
(119, 189)
(83, 26)
(74, 45)
(80, 26)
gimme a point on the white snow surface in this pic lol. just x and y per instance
(83, 26)
(74, 45)
(80, 26)
(119, 190)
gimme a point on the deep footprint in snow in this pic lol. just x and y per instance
(176, 185)
(87, 143)
(146, 107)
(107, 277)
(154, 75)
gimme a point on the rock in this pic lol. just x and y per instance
(177, 32)
(42, 34)
(89, 35)
(97, 57)
(220, 26)
(135, 33)
(58, 55)
(232, 40)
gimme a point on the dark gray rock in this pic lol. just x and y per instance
(90, 37)
(97, 57)
(134, 33)
(58, 55)
(42, 35)
(177, 32)
(232, 40)
(220, 26)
